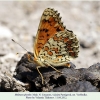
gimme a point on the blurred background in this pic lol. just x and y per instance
(19, 20)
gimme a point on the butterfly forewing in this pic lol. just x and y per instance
(50, 24)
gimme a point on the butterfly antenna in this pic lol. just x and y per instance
(19, 44)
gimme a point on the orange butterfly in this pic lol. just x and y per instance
(54, 44)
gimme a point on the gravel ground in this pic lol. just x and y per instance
(20, 20)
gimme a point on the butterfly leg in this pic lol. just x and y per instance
(40, 74)
(53, 68)
(56, 69)
(29, 59)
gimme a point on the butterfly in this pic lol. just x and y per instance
(54, 44)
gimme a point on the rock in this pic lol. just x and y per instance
(9, 84)
(70, 80)
(79, 86)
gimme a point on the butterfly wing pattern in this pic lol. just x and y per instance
(54, 44)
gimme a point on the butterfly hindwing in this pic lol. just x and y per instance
(61, 48)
